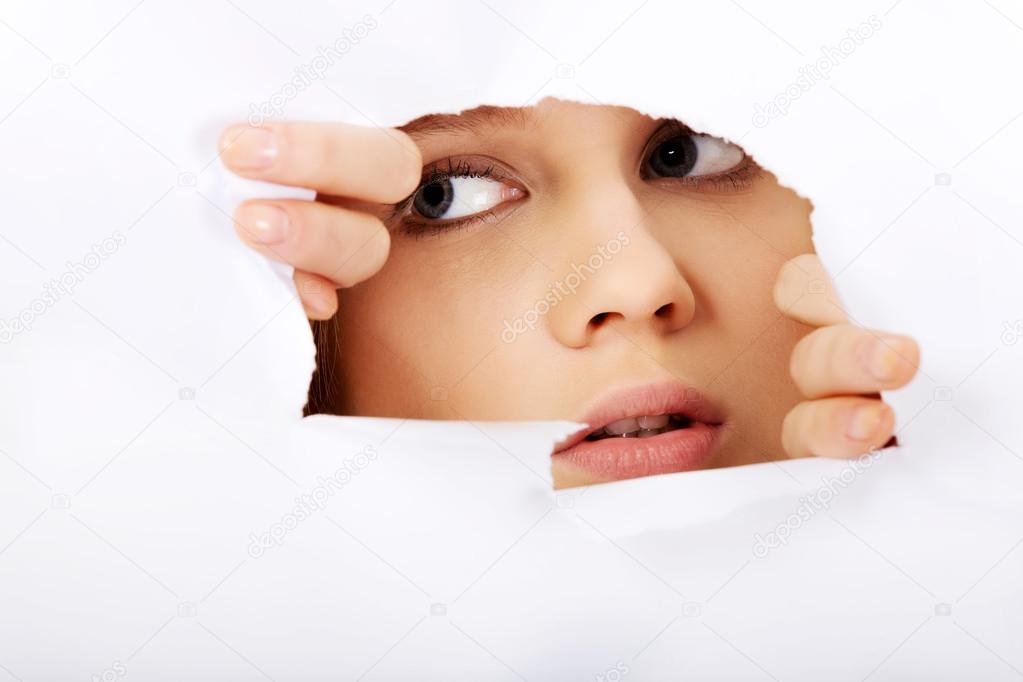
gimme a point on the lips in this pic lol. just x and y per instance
(642, 431)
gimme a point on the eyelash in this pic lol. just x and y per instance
(735, 180)
(419, 227)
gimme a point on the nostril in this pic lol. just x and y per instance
(665, 310)
(598, 319)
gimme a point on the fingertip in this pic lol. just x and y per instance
(893, 360)
(910, 357)
(318, 296)
(808, 262)
(262, 223)
(804, 292)
(787, 286)
(228, 136)
(317, 310)
(408, 168)
(841, 428)
(414, 170)
(249, 150)
(790, 442)
(366, 261)
(869, 424)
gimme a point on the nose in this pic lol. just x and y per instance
(628, 279)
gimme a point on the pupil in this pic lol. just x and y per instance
(433, 194)
(434, 199)
(674, 158)
(672, 153)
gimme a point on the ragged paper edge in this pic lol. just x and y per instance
(540, 460)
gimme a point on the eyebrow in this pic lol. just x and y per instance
(471, 121)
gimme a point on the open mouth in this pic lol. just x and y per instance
(643, 431)
(641, 427)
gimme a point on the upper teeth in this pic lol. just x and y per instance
(641, 427)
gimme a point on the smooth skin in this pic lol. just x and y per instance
(821, 376)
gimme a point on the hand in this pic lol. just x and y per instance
(329, 246)
(839, 368)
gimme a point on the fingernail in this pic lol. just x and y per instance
(864, 421)
(263, 223)
(882, 356)
(248, 148)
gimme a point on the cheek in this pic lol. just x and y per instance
(735, 249)
(731, 257)
(420, 337)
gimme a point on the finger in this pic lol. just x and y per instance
(804, 292)
(343, 246)
(837, 427)
(846, 359)
(375, 164)
(318, 295)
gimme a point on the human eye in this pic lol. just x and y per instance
(454, 193)
(677, 152)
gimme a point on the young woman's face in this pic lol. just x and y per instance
(585, 263)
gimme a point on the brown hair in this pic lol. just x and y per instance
(323, 388)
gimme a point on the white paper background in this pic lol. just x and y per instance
(150, 419)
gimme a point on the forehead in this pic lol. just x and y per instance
(547, 114)
(472, 121)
